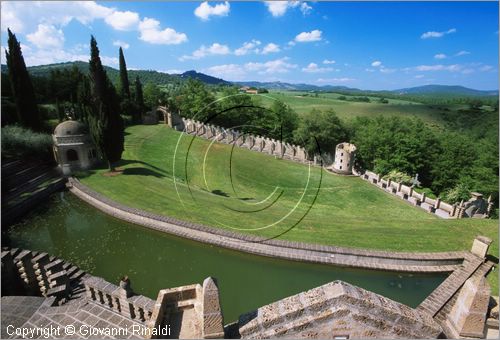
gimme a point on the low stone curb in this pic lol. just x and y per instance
(298, 251)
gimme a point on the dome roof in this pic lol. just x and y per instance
(70, 127)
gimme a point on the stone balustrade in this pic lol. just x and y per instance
(252, 142)
(119, 299)
(408, 193)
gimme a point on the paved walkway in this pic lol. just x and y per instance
(84, 319)
(298, 251)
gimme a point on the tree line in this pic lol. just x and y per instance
(93, 98)
(450, 162)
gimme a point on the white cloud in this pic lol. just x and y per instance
(271, 48)
(23, 16)
(377, 63)
(313, 68)
(108, 60)
(46, 36)
(486, 68)
(279, 8)
(238, 72)
(204, 10)
(335, 80)
(123, 21)
(434, 34)
(150, 32)
(305, 8)
(203, 51)
(228, 71)
(439, 67)
(419, 76)
(461, 53)
(274, 66)
(387, 70)
(314, 35)
(328, 62)
(248, 47)
(440, 56)
(122, 44)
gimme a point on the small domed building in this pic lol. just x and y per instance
(73, 147)
(344, 158)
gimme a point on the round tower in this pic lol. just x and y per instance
(344, 158)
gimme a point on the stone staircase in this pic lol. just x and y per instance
(43, 275)
(24, 185)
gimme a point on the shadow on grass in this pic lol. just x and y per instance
(134, 161)
(492, 258)
(220, 193)
(142, 172)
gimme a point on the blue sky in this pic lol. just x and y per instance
(369, 45)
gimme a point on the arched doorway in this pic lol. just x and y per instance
(71, 155)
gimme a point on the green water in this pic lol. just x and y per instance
(72, 230)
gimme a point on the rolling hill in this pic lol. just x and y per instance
(159, 78)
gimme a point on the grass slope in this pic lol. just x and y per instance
(264, 195)
(303, 102)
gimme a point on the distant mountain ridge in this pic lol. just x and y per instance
(151, 76)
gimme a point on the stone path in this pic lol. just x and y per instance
(84, 319)
(444, 292)
(339, 256)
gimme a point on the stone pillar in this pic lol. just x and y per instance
(480, 246)
(438, 203)
(213, 323)
(124, 292)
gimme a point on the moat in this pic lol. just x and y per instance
(69, 228)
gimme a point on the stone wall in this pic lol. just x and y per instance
(248, 141)
(407, 193)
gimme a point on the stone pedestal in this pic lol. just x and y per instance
(480, 246)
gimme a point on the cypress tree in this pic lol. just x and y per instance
(21, 85)
(124, 84)
(139, 95)
(139, 100)
(105, 122)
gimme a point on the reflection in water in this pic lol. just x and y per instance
(69, 228)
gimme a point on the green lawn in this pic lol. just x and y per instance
(303, 102)
(268, 196)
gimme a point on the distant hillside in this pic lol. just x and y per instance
(278, 85)
(146, 76)
(160, 78)
(445, 89)
(204, 78)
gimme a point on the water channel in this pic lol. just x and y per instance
(71, 229)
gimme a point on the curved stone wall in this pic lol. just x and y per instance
(298, 251)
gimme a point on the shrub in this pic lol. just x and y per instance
(22, 142)
(398, 176)
(460, 192)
